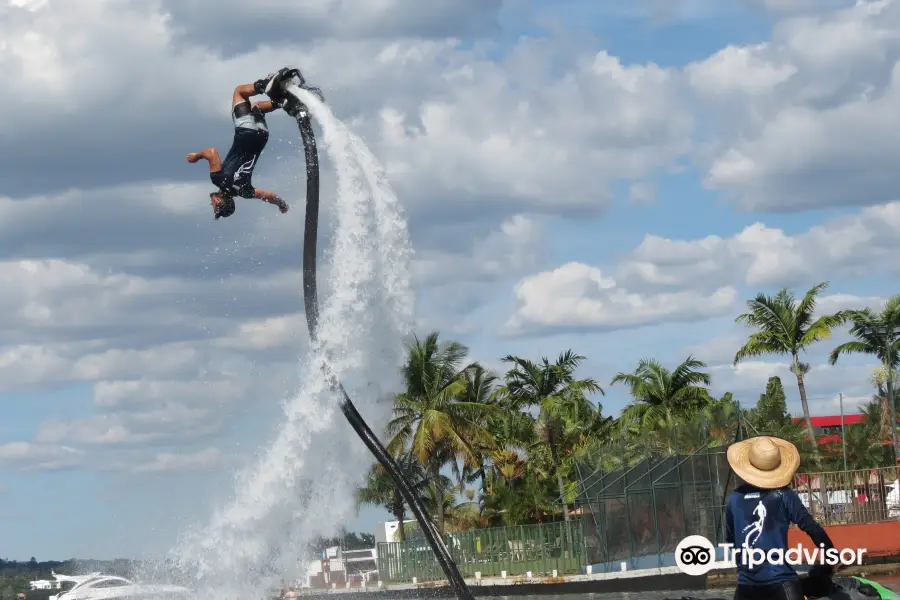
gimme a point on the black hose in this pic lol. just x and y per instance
(310, 300)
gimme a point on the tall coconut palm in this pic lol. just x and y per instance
(662, 399)
(430, 418)
(461, 515)
(437, 492)
(880, 401)
(559, 395)
(515, 434)
(380, 489)
(878, 335)
(572, 434)
(864, 450)
(872, 415)
(523, 500)
(480, 389)
(720, 419)
(514, 431)
(785, 326)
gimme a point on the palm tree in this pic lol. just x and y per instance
(872, 414)
(571, 435)
(522, 500)
(380, 489)
(877, 334)
(481, 389)
(515, 435)
(864, 449)
(785, 326)
(879, 376)
(441, 495)
(431, 419)
(662, 400)
(559, 395)
(879, 379)
(720, 419)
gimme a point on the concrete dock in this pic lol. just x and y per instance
(657, 579)
(661, 579)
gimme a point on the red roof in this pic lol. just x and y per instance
(827, 439)
(833, 421)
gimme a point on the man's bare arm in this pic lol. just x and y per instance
(209, 154)
(272, 198)
(265, 106)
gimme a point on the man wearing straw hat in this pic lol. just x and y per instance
(759, 513)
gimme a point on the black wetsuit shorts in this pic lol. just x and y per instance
(250, 137)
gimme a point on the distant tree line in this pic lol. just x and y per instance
(348, 541)
(16, 575)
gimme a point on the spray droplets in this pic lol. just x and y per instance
(302, 486)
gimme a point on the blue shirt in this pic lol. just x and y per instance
(761, 519)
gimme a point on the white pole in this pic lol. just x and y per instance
(843, 435)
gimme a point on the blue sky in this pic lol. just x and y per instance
(142, 365)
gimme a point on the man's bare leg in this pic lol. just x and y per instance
(271, 198)
(209, 154)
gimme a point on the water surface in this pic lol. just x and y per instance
(892, 583)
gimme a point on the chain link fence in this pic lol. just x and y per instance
(541, 549)
(639, 498)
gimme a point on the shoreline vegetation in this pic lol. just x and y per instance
(483, 449)
(16, 575)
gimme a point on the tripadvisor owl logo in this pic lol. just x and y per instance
(695, 555)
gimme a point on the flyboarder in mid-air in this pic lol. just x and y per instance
(233, 176)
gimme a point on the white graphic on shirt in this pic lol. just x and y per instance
(754, 529)
(245, 168)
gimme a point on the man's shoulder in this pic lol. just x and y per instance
(739, 493)
(744, 489)
(789, 494)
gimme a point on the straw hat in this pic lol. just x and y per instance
(765, 462)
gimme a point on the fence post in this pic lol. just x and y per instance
(628, 524)
(543, 545)
(655, 515)
(684, 523)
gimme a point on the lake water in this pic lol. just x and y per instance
(892, 583)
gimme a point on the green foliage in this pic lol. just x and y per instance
(770, 415)
(513, 442)
(15, 576)
(348, 541)
(876, 334)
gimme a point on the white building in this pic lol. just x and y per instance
(387, 532)
(346, 565)
(44, 584)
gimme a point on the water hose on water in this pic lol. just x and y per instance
(359, 425)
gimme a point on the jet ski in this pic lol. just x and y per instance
(843, 588)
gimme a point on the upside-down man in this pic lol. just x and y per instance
(233, 176)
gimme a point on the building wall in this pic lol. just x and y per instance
(386, 532)
(879, 539)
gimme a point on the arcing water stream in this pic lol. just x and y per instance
(303, 486)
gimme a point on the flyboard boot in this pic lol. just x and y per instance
(276, 89)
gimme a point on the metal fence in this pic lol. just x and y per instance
(638, 501)
(541, 549)
(861, 496)
(637, 511)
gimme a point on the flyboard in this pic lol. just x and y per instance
(299, 111)
(844, 588)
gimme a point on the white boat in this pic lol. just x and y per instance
(110, 587)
